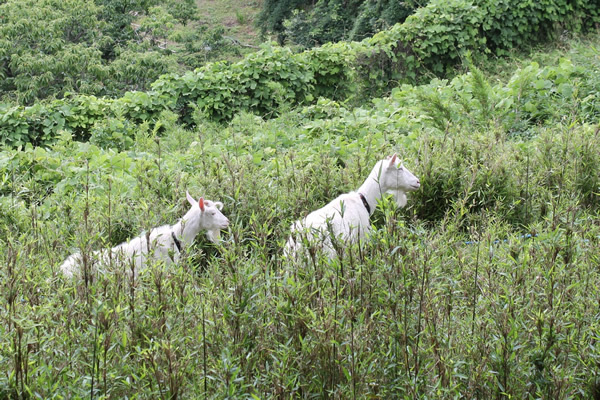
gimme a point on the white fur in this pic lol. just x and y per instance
(346, 218)
(203, 215)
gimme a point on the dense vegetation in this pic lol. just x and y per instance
(432, 41)
(485, 286)
(310, 23)
(50, 48)
(450, 298)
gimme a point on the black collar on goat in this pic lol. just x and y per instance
(365, 202)
(177, 241)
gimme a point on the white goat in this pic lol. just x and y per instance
(347, 217)
(165, 242)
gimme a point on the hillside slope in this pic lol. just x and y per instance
(237, 17)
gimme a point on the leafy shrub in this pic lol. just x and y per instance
(460, 176)
(274, 12)
(587, 180)
(82, 112)
(509, 24)
(331, 66)
(327, 22)
(46, 49)
(377, 16)
(113, 133)
(183, 10)
(134, 69)
(15, 130)
(442, 31)
(103, 48)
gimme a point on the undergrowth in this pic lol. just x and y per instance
(485, 286)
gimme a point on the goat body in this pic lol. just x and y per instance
(162, 243)
(346, 218)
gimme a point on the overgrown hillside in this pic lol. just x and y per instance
(311, 23)
(485, 286)
(430, 43)
(53, 49)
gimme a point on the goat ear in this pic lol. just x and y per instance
(393, 160)
(219, 205)
(201, 203)
(190, 199)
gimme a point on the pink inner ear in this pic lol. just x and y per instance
(201, 203)
(393, 160)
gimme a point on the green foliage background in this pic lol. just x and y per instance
(484, 286)
(50, 48)
(312, 23)
(433, 41)
(507, 23)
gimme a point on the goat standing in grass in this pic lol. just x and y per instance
(163, 243)
(347, 217)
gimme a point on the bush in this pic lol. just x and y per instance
(440, 33)
(113, 133)
(516, 24)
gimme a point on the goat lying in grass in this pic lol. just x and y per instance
(163, 243)
(347, 217)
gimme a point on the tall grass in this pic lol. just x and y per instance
(485, 286)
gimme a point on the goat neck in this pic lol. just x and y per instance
(188, 227)
(372, 188)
